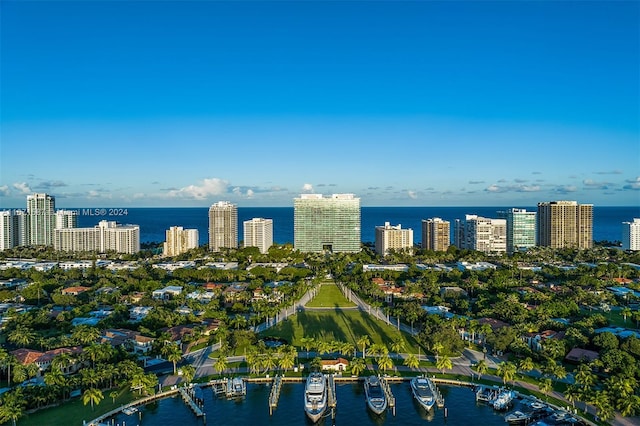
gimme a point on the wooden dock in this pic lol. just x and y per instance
(274, 395)
(188, 398)
(332, 401)
(391, 400)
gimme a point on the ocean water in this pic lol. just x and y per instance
(607, 221)
(462, 409)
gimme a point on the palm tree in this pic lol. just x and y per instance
(89, 377)
(287, 357)
(481, 367)
(19, 373)
(347, 349)
(308, 343)
(584, 376)
(93, 353)
(61, 361)
(12, 408)
(526, 365)
(357, 366)
(626, 312)
(188, 372)
(397, 346)
(85, 335)
(113, 395)
(6, 361)
(571, 394)
(506, 370)
(93, 396)
(628, 406)
(324, 347)
(602, 402)
(378, 349)
(364, 342)
(545, 386)
(412, 361)
(173, 353)
(437, 347)
(220, 365)
(558, 372)
(138, 381)
(385, 363)
(22, 335)
(269, 362)
(444, 363)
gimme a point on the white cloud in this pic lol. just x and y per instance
(22, 187)
(513, 188)
(207, 188)
(633, 184)
(590, 184)
(4, 191)
(412, 194)
(307, 187)
(564, 189)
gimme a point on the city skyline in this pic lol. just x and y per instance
(145, 104)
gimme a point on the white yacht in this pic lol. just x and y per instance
(423, 392)
(376, 398)
(315, 396)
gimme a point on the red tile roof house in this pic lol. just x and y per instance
(74, 291)
(43, 359)
(339, 364)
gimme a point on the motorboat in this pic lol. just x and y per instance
(503, 400)
(130, 410)
(315, 396)
(376, 398)
(423, 391)
(517, 417)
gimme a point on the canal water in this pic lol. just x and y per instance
(253, 409)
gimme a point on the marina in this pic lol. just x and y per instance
(199, 402)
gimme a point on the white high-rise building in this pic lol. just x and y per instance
(13, 229)
(179, 241)
(104, 237)
(631, 235)
(258, 232)
(223, 226)
(330, 224)
(436, 234)
(6, 230)
(390, 237)
(482, 234)
(42, 221)
(66, 219)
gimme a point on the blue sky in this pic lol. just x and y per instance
(118, 103)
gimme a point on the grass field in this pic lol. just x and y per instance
(330, 296)
(341, 325)
(74, 412)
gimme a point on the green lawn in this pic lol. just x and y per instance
(329, 296)
(341, 325)
(74, 412)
